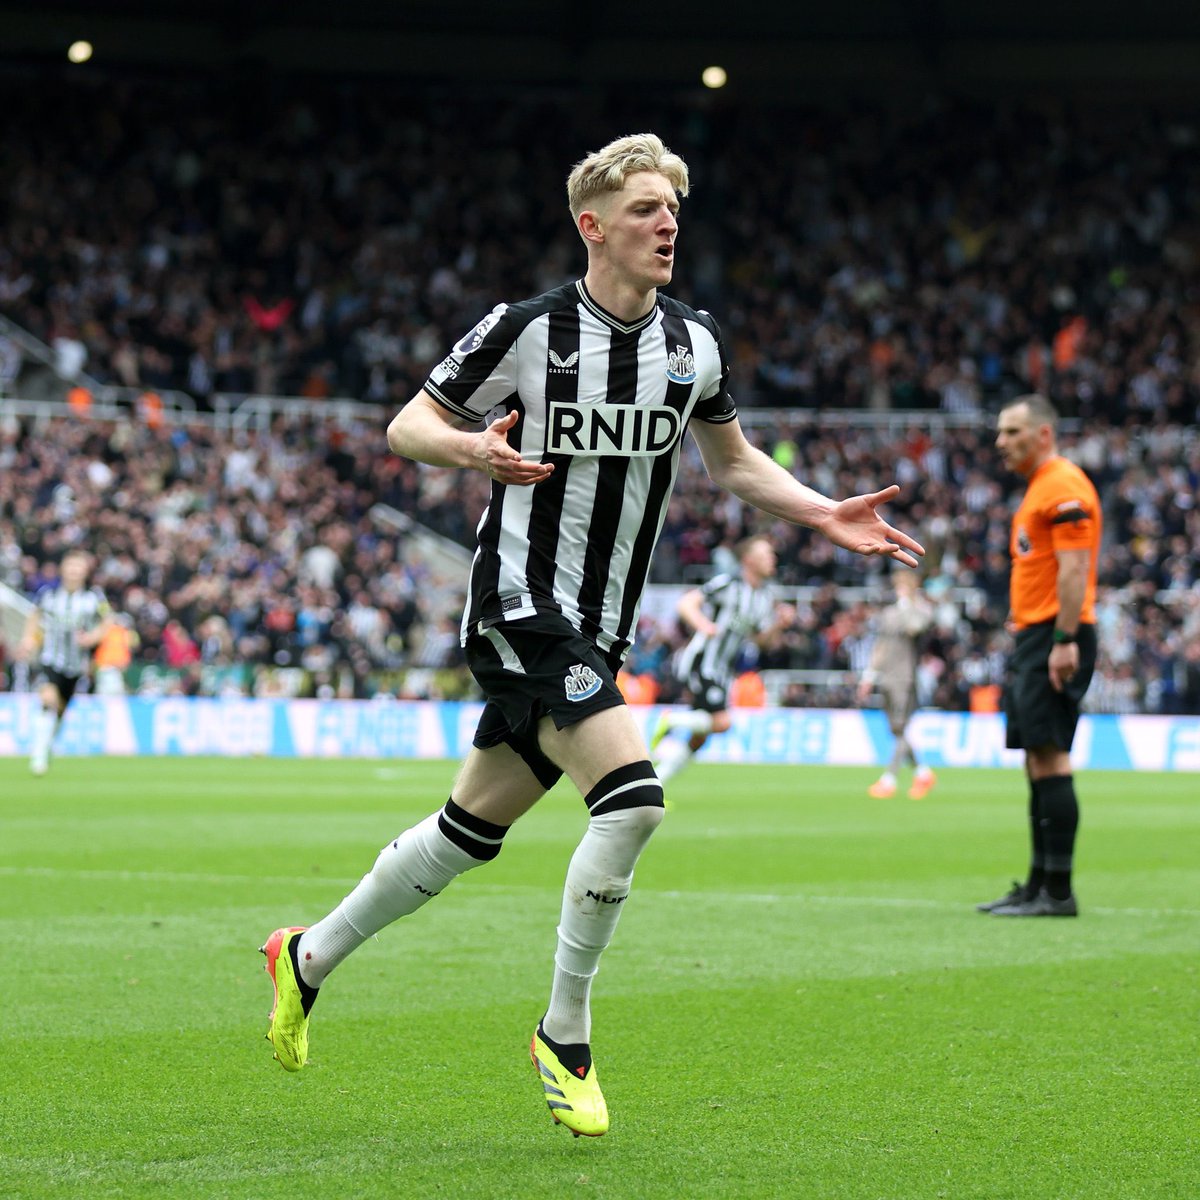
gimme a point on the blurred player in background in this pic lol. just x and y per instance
(892, 674)
(723, 615)
(67, 621)
(1054, 544)
(597, 381)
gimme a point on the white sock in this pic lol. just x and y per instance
(570, 1011)
(597, 887)
(408, 872)
(888, 778)
(45, 725)
(671, 757)
(696, 721)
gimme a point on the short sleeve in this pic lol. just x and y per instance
(715, 586)
(480, 371)
(1072, 521)
(716, 404)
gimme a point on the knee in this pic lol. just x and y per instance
(721, 722)
(619, 837)
(627, 804)
(636, 824)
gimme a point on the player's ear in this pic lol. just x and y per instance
(590, 227)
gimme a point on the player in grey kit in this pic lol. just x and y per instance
(892, 674)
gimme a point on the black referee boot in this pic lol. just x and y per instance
(1016, 895)
(1041, 905)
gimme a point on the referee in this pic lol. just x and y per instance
(66, 622)
(1054, 544)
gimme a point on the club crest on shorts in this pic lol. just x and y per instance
(581, 682)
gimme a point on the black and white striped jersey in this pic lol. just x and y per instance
(61, 615)
(740, 611)
(608, 403)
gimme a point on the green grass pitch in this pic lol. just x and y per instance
(800, 1000)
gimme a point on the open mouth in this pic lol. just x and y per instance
(666, 251)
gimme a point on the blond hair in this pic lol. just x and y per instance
(605, 171)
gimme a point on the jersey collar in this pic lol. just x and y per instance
(604, 315)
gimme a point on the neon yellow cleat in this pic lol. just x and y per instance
(289, 1022)
(577, 1103)
(660, 731)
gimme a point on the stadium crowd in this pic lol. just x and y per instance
(180, 236)
(334, 241)
(262, 548)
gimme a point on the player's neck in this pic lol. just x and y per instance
(624, 300)
(1040, 461)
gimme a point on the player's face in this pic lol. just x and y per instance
(640, 224)
(1018, 439)
(760, 558)
(74, 572)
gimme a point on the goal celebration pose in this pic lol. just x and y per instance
(596, 383)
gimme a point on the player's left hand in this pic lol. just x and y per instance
(854, 525)
(1064, 662)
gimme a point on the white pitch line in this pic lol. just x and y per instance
(645, 894)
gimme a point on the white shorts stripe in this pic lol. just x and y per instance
(508, 656)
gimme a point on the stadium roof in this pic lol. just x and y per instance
(768, 47)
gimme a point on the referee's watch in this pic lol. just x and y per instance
(1063, 638)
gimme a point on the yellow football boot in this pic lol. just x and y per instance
(575, 1099)
(289, 1022)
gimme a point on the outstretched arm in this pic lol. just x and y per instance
(691, 610)
(29, 637)
(734, 464)
(425, 431)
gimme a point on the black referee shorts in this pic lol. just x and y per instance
(538, 667)
(1038, 715)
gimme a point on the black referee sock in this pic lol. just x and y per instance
(1059, 821)
(1037, 848)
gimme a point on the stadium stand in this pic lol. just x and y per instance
(882, 288)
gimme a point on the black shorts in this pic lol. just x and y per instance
(706, 694)
(67, 684)
(1037, 715)
(541, 666)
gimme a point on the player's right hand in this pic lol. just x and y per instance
(501, 463)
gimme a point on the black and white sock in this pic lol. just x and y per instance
(626, 807)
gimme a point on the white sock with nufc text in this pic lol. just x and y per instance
(597, 886)
(408, 873)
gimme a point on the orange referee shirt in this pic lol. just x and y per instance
(1060, 511)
